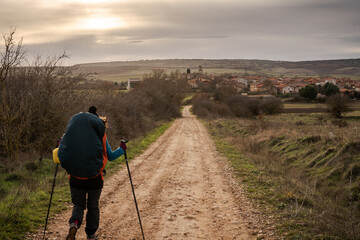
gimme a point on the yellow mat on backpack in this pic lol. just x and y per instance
(55, 156)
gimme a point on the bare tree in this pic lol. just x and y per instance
(36, 101)
(338, 104)
(10, 56)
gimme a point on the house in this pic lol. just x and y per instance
(261, 87)
(254, 87)
(298, 86)
(193, 84)
(239, 79)
(204, 80)
(357, 87)
(287, 89)
(321, 84)
(284, 88)
(344, 91)
(330, 80)
(239, 86)
(279, 88)
(226, 82)
(242, 80)
(132, 82)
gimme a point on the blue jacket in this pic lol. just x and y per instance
(113, 155)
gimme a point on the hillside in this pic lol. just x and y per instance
(122, 70)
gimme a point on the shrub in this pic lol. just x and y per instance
(311, 139)
(235, 105)
(239, 106)
(338, 104)
(164, 96)
(31, 166)
(136, 112)
(223, 92)
(339, 123)
(204, 107)
(295, 98)
(300, 123)
(308, 92)
(254, 106)
(248, 107)
(271, 106)
(330, 89)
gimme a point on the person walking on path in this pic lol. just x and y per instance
(84, 151)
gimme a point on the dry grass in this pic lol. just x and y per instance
(308, 170)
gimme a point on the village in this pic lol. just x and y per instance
(247, 84)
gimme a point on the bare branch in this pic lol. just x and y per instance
(11, 55)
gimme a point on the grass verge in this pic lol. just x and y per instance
(299, 168)
(25, 192)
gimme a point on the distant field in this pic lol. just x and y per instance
(304, 105)
(120, 77)
(355, 105)
(318, 108)
(122, 70)
(121, 74)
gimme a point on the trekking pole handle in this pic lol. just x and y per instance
(125, 141)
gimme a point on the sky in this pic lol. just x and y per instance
(126, 30)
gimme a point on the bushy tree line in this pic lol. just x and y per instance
(310, 92)
(154, 100)
(225, 102)
(336, 103)
(38, 97)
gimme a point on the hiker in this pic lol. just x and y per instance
(83, 152)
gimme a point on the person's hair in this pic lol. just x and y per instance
(104, 119)
(93, 110)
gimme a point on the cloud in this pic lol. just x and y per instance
(137, 29)
(136, 41)
(221, 20)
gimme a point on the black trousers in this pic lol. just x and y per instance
(82, 199)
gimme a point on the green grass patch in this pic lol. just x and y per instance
(187, 99)
(25, 192)
(304, 105)
(23, 206)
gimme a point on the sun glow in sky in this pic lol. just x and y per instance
(100, 22)
(97, 30)
(90, 1)
(96, 17)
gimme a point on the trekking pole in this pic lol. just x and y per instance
(132, 187)
(52, 191)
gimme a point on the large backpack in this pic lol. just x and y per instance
(82, 151)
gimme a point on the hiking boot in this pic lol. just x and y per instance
(92, 237)
(72, 231)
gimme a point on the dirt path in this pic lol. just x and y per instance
(184, 191)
